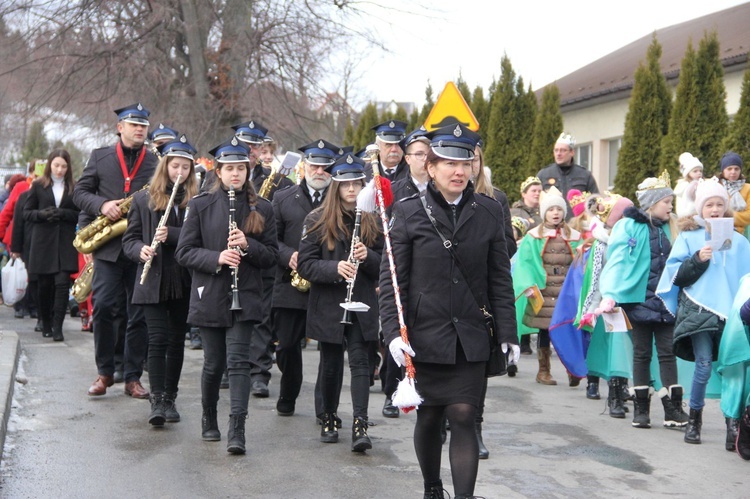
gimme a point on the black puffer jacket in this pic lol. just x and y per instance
(652, 309)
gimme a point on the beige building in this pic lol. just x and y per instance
(594, 98)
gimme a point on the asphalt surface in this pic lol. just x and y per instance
(545, 441)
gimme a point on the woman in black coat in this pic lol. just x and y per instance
(324, 259)
(216, 253)
(447, 334)
(164, 292)
(52, 257)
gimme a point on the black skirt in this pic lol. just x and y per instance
(445, 384)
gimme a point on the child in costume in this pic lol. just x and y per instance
(639, 246)
(582, 220)
(699, 285)
(734, 367)
(691, 170)
(544, 257)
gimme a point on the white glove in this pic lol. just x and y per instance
(515, 352)
(398, 347)
(606, 306)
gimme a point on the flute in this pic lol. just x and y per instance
(162, 223)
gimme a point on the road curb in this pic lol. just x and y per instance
(9, 350)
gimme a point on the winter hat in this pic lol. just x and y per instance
(688, 163)
(577, 200)
(549, 198)
(706, 189)
(617, 210)
(731, 159)
(653, 189)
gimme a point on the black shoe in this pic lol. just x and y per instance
(236, 434)
(210, 425)
(674, 416)
(196, 343)
(434, 491)
(328, 433)
(118, 377)
(614, 399)
(592, 388)
(390, 410)
(170, 409)
(38, 327)
(642, 402)
(512, 368)
(57, 335)
(224, 381)
(360, 441)
(732, 426)
(743, 435)
(483, 452)
(157, 417)
(19, 314)
(33, 314)
(285, 407)
(259, 389)
(693, 428)
(74, 308)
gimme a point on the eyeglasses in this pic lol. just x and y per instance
(419, 155)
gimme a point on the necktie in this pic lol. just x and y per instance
(316, 199)
(389, 173)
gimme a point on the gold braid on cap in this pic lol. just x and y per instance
(579, 198)
(605, 204)
(661, 182)
(529, 182)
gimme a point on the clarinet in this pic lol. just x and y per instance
(235, 270)
(348, 305)
(162, 223)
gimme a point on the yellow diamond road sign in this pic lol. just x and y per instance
(450, 104)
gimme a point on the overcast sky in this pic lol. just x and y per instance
(545, 40)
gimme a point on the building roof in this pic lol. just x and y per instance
(614, 73)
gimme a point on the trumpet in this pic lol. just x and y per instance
(235, 270)
(162, 223)
(350, 306)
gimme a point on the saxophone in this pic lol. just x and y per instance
(272, 180)
(82, 284)
(102, 229)
(298, 282)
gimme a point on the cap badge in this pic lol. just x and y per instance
(349, 159)
(341, 151)
(392, 125)
(422, 128)
(183, 139)
(161, 126)
(139, 107)
(234, 141)
(321, 144)
(251, 124)
(457, 132)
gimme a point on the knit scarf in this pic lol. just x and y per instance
(736, 201)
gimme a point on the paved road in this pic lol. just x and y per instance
(544, 442)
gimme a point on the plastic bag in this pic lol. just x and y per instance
(15, 279)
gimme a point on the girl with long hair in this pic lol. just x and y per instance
(226, 261)
(164, 292)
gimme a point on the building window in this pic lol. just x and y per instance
(583, 156)
(614, 154)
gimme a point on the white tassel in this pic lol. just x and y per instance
(406, 397)
(366, 200)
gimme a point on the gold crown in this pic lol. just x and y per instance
(520, 224)
(605, 204)
(661, 182)
(529, 181)
(579, 198)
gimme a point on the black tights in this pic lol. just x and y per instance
(463, 452)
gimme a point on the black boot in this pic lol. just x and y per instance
(627, 395)
(210, 425)
(360, 441)
(642, 402)
(693, 429)
(236, 433)
(156, 418)
(483, 452)
(59, 312)
(592, 388)
(732, 426)
(434, 490)
(614, 399)
(444, 429)
(743, 435)
(170, 409)
(674, 416)
(328, 433)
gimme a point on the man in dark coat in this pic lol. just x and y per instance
(564, 173)
(111, 175)
(388, 138)
(291, 206)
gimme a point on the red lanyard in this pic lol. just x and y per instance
(129, 176)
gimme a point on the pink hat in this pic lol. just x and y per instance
(706, 189)
(617, 211)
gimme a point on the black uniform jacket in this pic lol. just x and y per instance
(21, 233)
(102, 181)
(402, 171)
(328, 289)
(142, 224)
(290, 206)
(438, 304)
(52, 248)
(203, 238)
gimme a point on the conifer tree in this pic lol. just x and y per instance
(646, 124)
(367, 120)
(508, 137)
(547, 129)
(738, 139)
(428, 103)
(464, 89)
(480, 108)
(36, 145)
